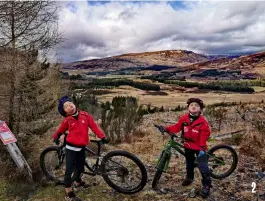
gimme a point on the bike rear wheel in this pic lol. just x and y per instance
(160, 169)
(222, 161)
(123, 171)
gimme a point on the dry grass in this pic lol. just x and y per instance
(175, 97)
(259, 89)
(260, 69)
(253, 145)
(147, 145)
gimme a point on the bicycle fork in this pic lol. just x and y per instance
(163, 161)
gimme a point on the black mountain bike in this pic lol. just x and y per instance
(121, 170)
(222, 159)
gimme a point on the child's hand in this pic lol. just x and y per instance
(104, 140)
(61, 139)
(56, 141)
(201, 153)
(162, 129)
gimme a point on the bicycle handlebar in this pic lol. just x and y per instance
(172, 135)
(98, 142)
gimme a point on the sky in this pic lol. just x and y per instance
(94, 29)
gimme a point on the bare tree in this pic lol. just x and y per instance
(26, 29)
(28, 24)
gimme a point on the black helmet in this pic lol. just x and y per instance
(196, 100)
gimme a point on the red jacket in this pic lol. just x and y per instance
(78, 129)
(196, 134)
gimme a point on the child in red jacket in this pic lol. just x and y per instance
(77, 123)
(196, 133)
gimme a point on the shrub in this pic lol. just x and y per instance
(120, 117)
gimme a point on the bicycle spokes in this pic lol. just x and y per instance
(123, 172)
(55, 164)
(220, 161)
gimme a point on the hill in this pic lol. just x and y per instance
(145, 59)
(253, 63)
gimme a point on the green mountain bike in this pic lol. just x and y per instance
(222, 159)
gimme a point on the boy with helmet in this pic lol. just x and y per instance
(196, 133)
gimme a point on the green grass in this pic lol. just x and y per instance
(3, 196)
(56, 193)
(12, 190)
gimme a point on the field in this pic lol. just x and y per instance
(172, 95)
(175, 97)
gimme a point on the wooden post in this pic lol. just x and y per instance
(19, 158)
(9, 140)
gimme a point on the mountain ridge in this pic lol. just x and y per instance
(177, 58)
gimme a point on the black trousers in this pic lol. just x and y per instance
(202, 165)
(75, 162)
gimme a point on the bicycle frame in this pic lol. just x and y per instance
(61, 156)
(167, 150)
(98, 154)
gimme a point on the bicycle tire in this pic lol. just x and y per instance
(136, 160)
(159, 170)
(43, 166)
(234, 164)
(48, 175)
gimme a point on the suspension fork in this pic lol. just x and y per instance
(168, 157)
(61, 154)
(163, 160)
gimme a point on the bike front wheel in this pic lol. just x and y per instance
(52, 163)
(123, 171)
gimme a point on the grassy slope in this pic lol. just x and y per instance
(3, 196)
(148, 149)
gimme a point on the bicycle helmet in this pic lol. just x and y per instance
(196, 100)
(60, 105)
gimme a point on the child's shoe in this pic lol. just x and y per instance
(187, 182)
(71, 197)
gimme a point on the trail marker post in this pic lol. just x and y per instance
(9, 140)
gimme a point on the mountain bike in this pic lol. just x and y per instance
(121, 170)
(222, 159)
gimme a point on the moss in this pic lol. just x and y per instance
(3, 195)
(56, 193)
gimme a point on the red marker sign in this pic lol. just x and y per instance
(6, 135)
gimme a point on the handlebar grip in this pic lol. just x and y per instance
(156, 126)
(161, 129)
(173, 135)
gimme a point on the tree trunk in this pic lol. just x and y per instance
(12, 73)
(19, 114)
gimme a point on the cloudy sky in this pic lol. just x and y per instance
(100, 29)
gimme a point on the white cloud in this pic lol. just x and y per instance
(111, 28)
